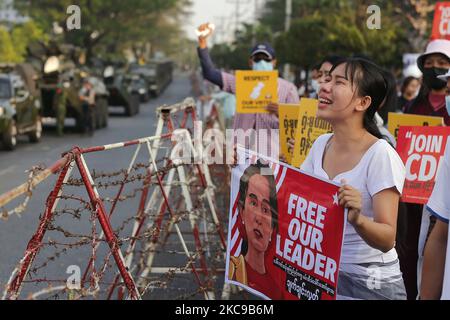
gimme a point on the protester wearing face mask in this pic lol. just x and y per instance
(430, 101)
(315, 77)
(262, 58)
(431, 98)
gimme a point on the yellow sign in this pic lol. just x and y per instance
(255, 90)
(395, 120)
(308, 130)
(288, 117)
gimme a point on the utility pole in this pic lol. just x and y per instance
(287, 26)
(220, 29)
(237, 13)
(255, 23)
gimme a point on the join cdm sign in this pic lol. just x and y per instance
(441, 22)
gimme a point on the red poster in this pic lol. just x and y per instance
(285, 232)
(441, 22)
(421, 149)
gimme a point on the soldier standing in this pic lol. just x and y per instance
(87, 97)
(60, 104)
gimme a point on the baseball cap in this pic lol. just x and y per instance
(441, 46)
(263, 48)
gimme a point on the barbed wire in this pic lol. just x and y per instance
(56, 289)
(20, 208)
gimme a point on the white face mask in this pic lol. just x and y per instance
(315, 85)
(262, 66)
(447, 104)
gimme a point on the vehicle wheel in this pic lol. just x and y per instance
(79, 123)
(10, 136)
(137, 104)
(97, 117)
(105, 114)
(145, 97)
(36, 134)
(129, 110)
(94, 120)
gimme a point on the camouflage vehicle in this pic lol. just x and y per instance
(60, 84)
(19, 105)
(118, 88)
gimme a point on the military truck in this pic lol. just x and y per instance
(157, 73)
(119, 95)
(61, 79)
(136, 84)
(19, 105)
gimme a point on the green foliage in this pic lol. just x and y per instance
(326, 27)
(110, 26)
(7, 52)
(23, 34)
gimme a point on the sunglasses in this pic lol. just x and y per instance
(258, 59)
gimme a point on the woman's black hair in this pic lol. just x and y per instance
(406, 83)
(261, 169)
(421, 99)
(375, 82)
(332, 59)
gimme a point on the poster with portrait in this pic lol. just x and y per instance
(255, 90)
(285, 231)
(422, 150)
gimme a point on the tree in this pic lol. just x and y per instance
(7, 53)
(105, 24)
(23, 34)
(416, 17)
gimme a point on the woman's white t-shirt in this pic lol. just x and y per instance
(380, 168)
(439, 206)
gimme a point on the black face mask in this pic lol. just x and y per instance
(431, 80)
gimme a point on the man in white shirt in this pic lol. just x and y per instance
(436, 267)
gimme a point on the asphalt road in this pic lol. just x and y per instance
(16, 231)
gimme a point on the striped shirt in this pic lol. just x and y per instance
(287, 93)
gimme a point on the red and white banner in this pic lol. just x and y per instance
(441, 22)
(285, 232)
(422, 150)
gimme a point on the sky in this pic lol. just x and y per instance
(222, 14)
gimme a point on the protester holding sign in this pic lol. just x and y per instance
(372, 175)
(262, 58)
(429, 102)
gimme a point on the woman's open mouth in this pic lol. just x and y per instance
(324, 102)
(258, 234)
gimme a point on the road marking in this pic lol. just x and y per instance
(7, 170)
